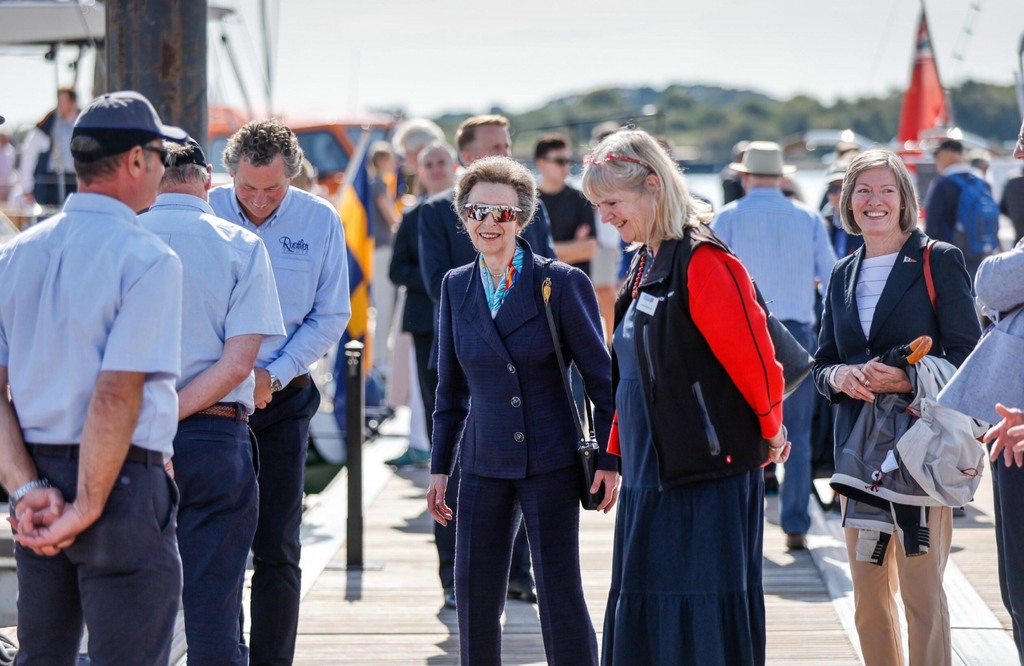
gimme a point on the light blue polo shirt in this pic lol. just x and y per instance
(86, 291)
(306, 244)
(228, 284)
(783, 244)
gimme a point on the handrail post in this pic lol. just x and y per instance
(355, 411)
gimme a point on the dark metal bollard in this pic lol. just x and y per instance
(355, 411)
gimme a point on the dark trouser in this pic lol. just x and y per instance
(444, 537)
(282, 431)
(1008, 499)
(47, 192)
(797, 412)
(122, 575)
(213, 467)
(490, 513)
(426, 376)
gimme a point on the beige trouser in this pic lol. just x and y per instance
(919, 580)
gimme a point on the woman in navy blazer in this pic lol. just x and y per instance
(877, 298)
(503, 415)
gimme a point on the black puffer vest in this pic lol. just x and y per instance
(703, 427)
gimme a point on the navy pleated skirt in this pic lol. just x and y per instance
(686, 577)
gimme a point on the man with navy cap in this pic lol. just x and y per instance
(230, 306)
(90, 343)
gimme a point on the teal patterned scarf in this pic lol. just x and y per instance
(496, 295)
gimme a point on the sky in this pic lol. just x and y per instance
(341, 57)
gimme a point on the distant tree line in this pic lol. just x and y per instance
(705, 121)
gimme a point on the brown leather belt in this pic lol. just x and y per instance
(302, 381)
(228, 410)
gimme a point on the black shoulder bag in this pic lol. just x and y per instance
(795, 361)
(587, 448)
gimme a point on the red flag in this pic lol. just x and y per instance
(924, 104)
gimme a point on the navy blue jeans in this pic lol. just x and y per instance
(797, 412)
(213, 467)
(282, 432)
(122, 575)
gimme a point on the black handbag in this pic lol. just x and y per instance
(795, 361)
(587, 449)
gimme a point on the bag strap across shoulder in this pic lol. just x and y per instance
(545, 291)
(928, 281)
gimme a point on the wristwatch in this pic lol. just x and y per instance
(20, 493)
(275, 384)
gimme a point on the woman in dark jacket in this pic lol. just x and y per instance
(699, 401)
(502, 413)
(877, 299)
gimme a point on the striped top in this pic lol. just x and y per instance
(870, 283)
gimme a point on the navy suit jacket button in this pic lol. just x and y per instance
(519, 437)
(512, 368)
(516, 402)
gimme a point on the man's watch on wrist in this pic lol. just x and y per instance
(20, 493)
(275, 384)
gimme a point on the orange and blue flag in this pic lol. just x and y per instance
(355, 210)
(354, 207)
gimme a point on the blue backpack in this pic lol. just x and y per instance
(978, 212)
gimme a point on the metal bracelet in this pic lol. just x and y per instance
(20, 493)
(785, 438)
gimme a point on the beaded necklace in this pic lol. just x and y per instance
(639, 273)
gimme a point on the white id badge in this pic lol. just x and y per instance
(647, 304)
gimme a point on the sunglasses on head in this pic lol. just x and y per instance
(835, 188)
(499, 212)
(561, 161)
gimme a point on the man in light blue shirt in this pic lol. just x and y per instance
(90, 341)
(785, 247)
(230, 306)
(306, 244)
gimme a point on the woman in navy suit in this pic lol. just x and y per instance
(877, 298)
(502, 414)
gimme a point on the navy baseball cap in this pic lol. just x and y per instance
(119, 121)
(190, 153)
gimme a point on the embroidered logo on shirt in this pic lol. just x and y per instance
(294, 247)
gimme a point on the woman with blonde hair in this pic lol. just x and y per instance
(699, 401)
